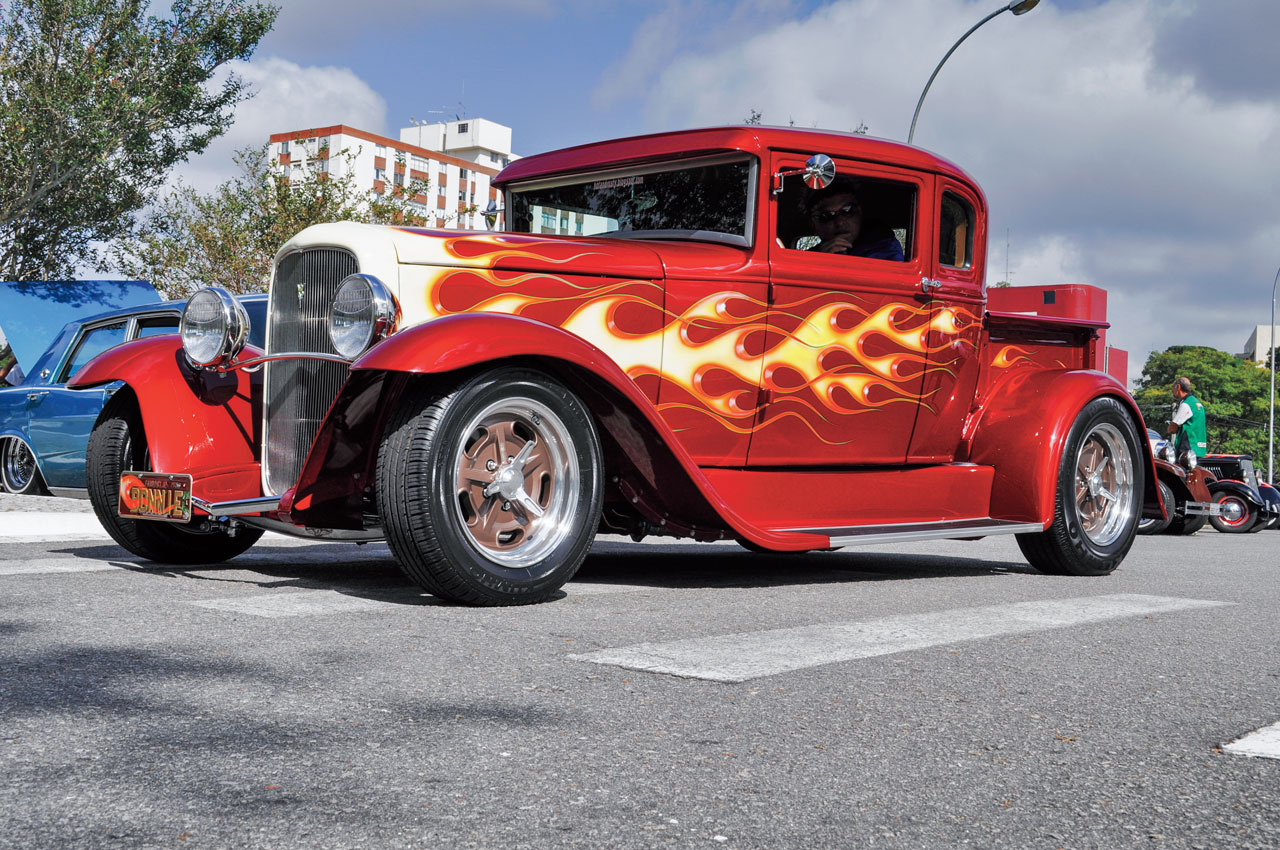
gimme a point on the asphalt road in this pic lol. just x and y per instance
(935, 695)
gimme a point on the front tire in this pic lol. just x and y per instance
(1238, 516)
(19, 471)
(1098, 502)
(117, 444)
(490, 491)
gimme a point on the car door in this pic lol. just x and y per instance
(845, 357)
(957, 276)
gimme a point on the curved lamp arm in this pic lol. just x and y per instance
(1019, 7)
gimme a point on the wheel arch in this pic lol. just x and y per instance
(642, 454)
(1013, 431)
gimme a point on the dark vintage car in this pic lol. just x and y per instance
(1247, 503)
(44, 425)
(771, 335)
(1186, 495)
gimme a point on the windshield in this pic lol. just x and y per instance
(708, 198)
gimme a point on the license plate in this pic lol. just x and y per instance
(155, 495)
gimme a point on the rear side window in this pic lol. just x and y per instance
(157, 326)
(955, 232)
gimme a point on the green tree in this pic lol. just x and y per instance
(1235, 392)
(97, 102)
(230, 236)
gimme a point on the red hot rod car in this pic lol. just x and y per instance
(769, 335)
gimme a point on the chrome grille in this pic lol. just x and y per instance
(300, 390)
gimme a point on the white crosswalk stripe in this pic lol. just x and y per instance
(1264, 743)
(740, 657)
(296, 604)
(41, 526)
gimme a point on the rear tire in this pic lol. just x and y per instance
(490, 491)
(1098, 502)
(19, 472)
(116, 444)
(1157, 526)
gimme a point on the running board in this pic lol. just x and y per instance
(866, 535)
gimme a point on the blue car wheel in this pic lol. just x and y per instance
(21, 475)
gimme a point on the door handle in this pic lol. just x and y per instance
(36, 396)
(929, 284)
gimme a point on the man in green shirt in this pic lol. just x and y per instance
(1188, 421)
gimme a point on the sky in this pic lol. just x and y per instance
(1128, 144)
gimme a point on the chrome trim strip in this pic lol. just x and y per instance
(337, 535)
(1203, 509)
(911, 531)
(239, 507)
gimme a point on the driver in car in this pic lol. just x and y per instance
(838, 220)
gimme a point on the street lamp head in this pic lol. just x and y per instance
(1023, 6)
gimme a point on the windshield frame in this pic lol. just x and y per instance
(746, 240)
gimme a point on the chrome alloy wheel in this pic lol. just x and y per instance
(19, 465)
(516, 482)
(1104, 484)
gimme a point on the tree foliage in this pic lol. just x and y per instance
(97, 102)
(230, 236)
(1236, 395)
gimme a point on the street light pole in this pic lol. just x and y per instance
(1018, 7)
(1271, 432)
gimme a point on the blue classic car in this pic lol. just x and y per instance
(44, 427)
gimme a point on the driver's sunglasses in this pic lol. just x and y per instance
(846, 211)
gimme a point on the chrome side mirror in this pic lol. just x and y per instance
(818, 172)
(491, 213)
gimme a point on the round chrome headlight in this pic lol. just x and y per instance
(214, 327)
(363, 312)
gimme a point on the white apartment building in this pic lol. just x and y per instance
(1258, 348)
(457, 158)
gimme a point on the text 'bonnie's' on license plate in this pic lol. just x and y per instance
(155, 495)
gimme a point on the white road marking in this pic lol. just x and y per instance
(1264, 743)
(296, 604)
(750, 655)
(34, 526)
(42, 566)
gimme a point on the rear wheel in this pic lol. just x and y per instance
(490, 491)
(19, 471)
(1237, 517)
(1156, 526)
(1097, 507)
(117, 444)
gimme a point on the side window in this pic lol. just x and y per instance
(157, 325)
(855, 216)
(91, 344)
(955, 232)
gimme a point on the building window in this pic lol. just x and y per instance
(462, 174)
(398, 178)
(462, 128)
(380, 150)
(284, 146)
(380, 174)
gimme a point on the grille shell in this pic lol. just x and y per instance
(299, 391)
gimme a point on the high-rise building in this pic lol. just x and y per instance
(458, 159)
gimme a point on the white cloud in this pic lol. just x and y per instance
(1112, 154)
(287, 97)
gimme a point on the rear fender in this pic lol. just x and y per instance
(1022, 432)
(201, 422)
(643, 457)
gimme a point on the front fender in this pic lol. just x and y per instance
(342, 459)
(1022, 433)
(201, 422)
(1236, 488)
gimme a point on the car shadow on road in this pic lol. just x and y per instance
(371, 572)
